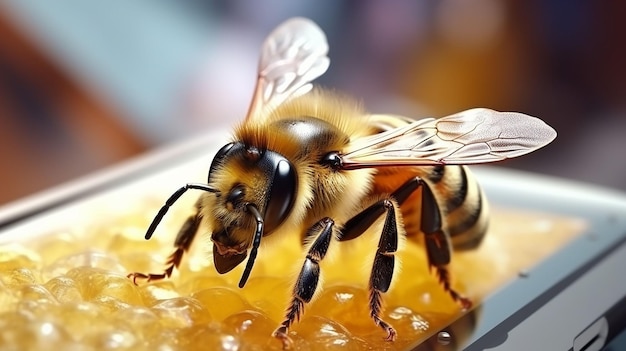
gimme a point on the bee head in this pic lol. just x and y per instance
(257, 190)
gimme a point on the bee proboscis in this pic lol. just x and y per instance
(311, 163)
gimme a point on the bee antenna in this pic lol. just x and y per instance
(172, 199)
(256, 241)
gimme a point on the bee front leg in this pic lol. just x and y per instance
(183, 241)
(306, 284)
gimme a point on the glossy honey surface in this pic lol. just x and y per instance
(68, 290)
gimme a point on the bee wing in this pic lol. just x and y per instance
(292, 56)
(384, 123)
(473, 136)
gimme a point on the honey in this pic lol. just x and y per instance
(69, 290)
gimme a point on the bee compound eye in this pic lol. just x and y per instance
(282, 194)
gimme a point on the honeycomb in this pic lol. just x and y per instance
(66, 288)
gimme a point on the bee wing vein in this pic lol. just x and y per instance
(292, 56)
(469, 137)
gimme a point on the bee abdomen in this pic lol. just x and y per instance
(462, 202)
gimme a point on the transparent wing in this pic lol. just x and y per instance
(387, 122)
(292, 56)
(473, 136)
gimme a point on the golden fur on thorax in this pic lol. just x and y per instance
(321, 192)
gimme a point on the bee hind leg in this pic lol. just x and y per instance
(383, 267)
(384, 261)
(437, 244)
(306, 284)
(183, 241)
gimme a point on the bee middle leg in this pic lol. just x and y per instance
(437, 244)
(183, 241)
(384, 261)
(306, 284)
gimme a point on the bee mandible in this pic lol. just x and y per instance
(312, 163)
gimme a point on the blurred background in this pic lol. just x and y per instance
(84, 85)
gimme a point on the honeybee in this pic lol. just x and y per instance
(312, 163)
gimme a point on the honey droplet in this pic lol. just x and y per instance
(269, 294)
(35, 309)
(143, 320)
(428, 296)
(95, 282)
(80, 318)
(169, 339)
(21, 330)
(49, 333)
(325, 334)
(201, 282)
(35, 292)
(88, 259)
(221, 302)
(15, 256)
(254, 330)
(118, 337)
(345, 304)
(153, 292)
(110, 303)
(64, 289)
(181, 312)
(409, 325)
(406, 319)
(17, 277)
(8, 300)
(209, 336)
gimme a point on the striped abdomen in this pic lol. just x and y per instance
(461, 201)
